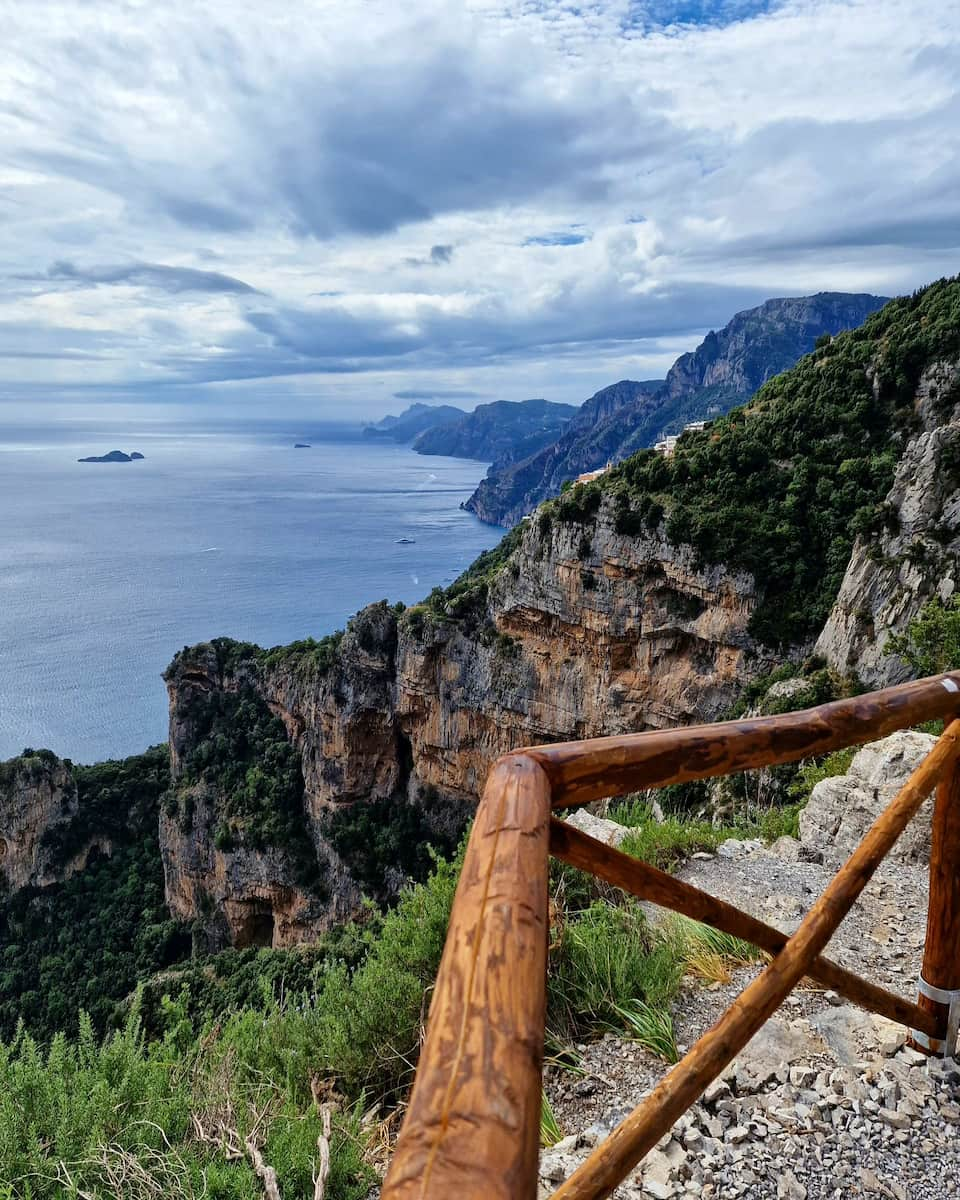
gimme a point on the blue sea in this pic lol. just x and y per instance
(106, 570)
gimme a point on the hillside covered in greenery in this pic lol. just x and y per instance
(782, 486)
(86, 942)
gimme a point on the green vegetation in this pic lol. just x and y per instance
(86, 1114)
(931, 644)
(707, 952)
(319, 656)
(32, 764)
(666, 844)
(650, 1027)
(781, 486)
(387, 837)
(814, 770)
(85, 943)
(550, 1131)
(465, 600)
(242, 759)
(603, 957)
(171, 1118)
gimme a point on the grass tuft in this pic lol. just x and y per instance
(651, 1027)
(550, 1131)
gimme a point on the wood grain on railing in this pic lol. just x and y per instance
(472, 1128)
(640, 1132)
(941, 953)
(610, 766)
(573, 846)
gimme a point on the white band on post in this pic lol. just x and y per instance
(948, 1047)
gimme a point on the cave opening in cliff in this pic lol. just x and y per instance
(257, 929)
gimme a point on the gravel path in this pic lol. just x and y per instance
(826, 1102)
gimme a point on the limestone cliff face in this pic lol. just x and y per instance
(37, 795)
(238, 890)
(890, 577)
(242, 896)
(569, 641)
(577, 641)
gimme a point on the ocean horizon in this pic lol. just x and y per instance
(108, 569)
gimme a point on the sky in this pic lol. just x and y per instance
(335, 207)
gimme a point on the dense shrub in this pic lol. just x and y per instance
(243, 760)
(931, 644)
(85, 942)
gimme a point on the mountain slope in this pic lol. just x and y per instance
(499, 432)
(511, 490)
(725, 369)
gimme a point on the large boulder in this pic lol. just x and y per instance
(842, 809)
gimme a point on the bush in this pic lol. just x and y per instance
(931, 644)
(607, 957)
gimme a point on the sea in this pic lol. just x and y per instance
(108, 569)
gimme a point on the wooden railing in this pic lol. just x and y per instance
(472, 1127)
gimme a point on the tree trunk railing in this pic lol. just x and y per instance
(472, 1127)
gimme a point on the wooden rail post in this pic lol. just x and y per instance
(940, 973)
(472, 1131)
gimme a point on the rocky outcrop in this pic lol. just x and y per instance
(892, 574)
(38, 795)
(245, 896)
(841, 809)
(568, 640)
(724, 370)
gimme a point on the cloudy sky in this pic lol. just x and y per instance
(332, 206)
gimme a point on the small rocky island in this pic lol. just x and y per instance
(113, 456)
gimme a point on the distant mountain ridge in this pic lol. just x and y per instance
(726, 369)
(502, 432)
(413, 421)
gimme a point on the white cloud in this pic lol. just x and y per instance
(405, 186)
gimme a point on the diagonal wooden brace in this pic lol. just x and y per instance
(613, 1159)
(578, 849)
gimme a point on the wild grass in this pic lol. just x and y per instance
(126, 1118)
(607, 956)
(550, 1131)
(651, 1027)
(667, 843)
(706, 952)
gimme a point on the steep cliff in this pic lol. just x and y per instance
(83, 913)
(549, 638)
(647, 598)
(724, 370)
(915, 555)
(38, 796)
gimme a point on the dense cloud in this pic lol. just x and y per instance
(150, 275)
(209, 193)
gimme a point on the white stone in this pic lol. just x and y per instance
(842, 809)
(611, 833)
